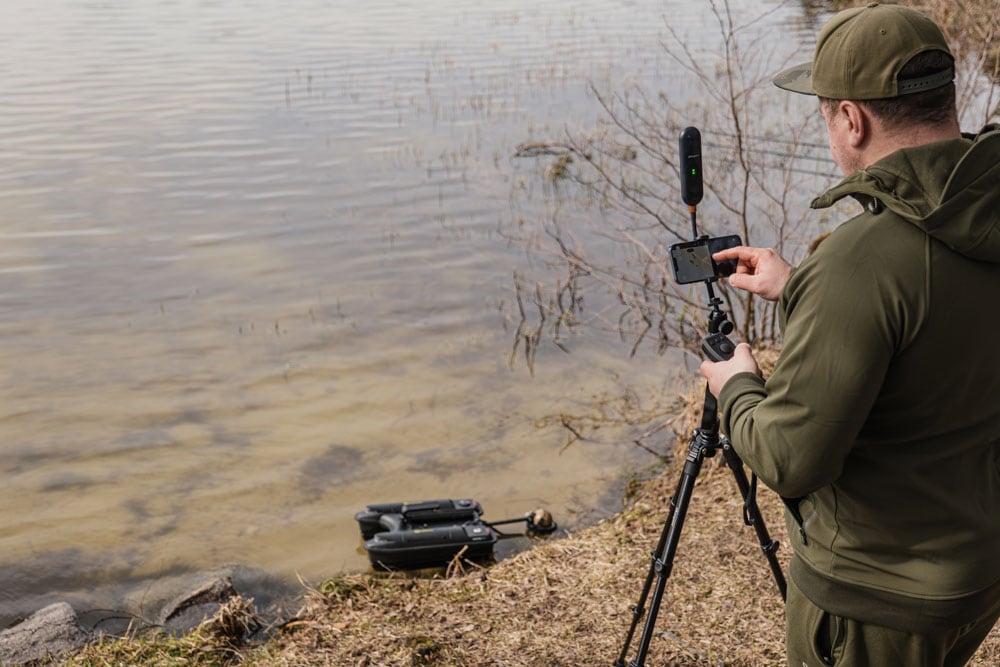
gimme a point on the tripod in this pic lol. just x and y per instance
(705, 442)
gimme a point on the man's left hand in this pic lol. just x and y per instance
(719, 373)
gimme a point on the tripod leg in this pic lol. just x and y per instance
(754, 518)
(663, 556)
(639, 608)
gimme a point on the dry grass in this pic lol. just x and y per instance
(565, 603)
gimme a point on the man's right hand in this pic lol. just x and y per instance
(759, 270)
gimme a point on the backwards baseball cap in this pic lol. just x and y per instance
(860, 52)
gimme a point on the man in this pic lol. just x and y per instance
(880, 424)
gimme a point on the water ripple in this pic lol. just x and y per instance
(249, 250)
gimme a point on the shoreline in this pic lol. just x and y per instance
(564, 602)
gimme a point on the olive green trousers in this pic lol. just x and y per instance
(815, 638)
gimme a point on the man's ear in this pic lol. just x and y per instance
(858, 123)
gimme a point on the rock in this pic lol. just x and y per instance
(49, 631)
(193, 607)
(180, 603)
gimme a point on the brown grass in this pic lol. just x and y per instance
(564, 603)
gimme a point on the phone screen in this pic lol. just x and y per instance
(692, 262)
(726, 267)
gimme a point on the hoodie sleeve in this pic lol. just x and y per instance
(840, 332)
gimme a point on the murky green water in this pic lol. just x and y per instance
(252, 278)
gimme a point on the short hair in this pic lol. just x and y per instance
(930, 107)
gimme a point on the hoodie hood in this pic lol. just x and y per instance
(949, 189)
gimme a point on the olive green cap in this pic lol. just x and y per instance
(860, 52)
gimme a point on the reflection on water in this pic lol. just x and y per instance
(251, 280)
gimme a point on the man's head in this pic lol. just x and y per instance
(879, 69)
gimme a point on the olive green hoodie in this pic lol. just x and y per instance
(882, 416)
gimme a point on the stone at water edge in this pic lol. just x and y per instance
(51, 630)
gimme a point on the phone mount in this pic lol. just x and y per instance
(705, 442)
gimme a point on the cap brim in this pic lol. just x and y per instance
(797, 79)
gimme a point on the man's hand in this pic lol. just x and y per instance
(719, 373)
(759, 270)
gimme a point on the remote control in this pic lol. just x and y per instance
(718, 347)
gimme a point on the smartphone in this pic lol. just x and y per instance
(692, 261)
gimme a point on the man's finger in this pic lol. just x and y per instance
(738, 252)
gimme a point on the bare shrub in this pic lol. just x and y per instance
(612, 192)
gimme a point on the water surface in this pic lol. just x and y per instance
(252, 278)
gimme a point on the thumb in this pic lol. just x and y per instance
(742, 281)
(743, 355)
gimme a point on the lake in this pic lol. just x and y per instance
(254, 276)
